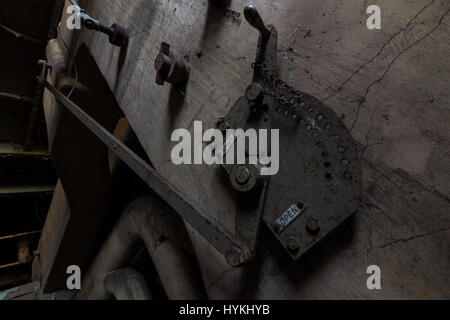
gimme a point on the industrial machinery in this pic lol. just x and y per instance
(319, 183)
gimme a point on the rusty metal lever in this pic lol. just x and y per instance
(254, 18)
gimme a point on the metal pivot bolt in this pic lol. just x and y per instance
(236, 256)
(254, 92)
(242, 175)
(254, 18)
(244, 178)
(169, 68)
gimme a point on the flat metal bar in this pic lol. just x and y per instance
(221, 239)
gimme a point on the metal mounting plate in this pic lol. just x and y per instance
(320, 172)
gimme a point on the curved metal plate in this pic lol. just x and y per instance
(320, 172)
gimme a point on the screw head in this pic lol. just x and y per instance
(312, 225)
(242, 175)
(293, 244)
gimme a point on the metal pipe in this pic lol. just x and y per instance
(127, 284)
(150, 221)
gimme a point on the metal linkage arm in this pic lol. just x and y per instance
(221, 239)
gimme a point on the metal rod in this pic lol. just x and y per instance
(10, 265)
(221, 239)
(15, 97)
(19, 235)
(24, 37)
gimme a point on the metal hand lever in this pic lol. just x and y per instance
(118, 36)
(266, 54)
(254, 18)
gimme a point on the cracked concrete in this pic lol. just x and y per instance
(417, 236)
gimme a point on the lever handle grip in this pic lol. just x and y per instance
(254, 18)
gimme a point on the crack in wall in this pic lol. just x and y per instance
(363, 99)
(402, 29)
(412, 238)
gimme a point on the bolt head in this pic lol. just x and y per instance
(254, 91)
(242, 175)
(312, 225)
(293, 244)
(235, 257)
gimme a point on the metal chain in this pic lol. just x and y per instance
(270, 75)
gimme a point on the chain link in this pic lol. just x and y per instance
(270, 75)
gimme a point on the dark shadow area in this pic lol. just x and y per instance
(121, 62)
(218, 12)
(176, 99)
